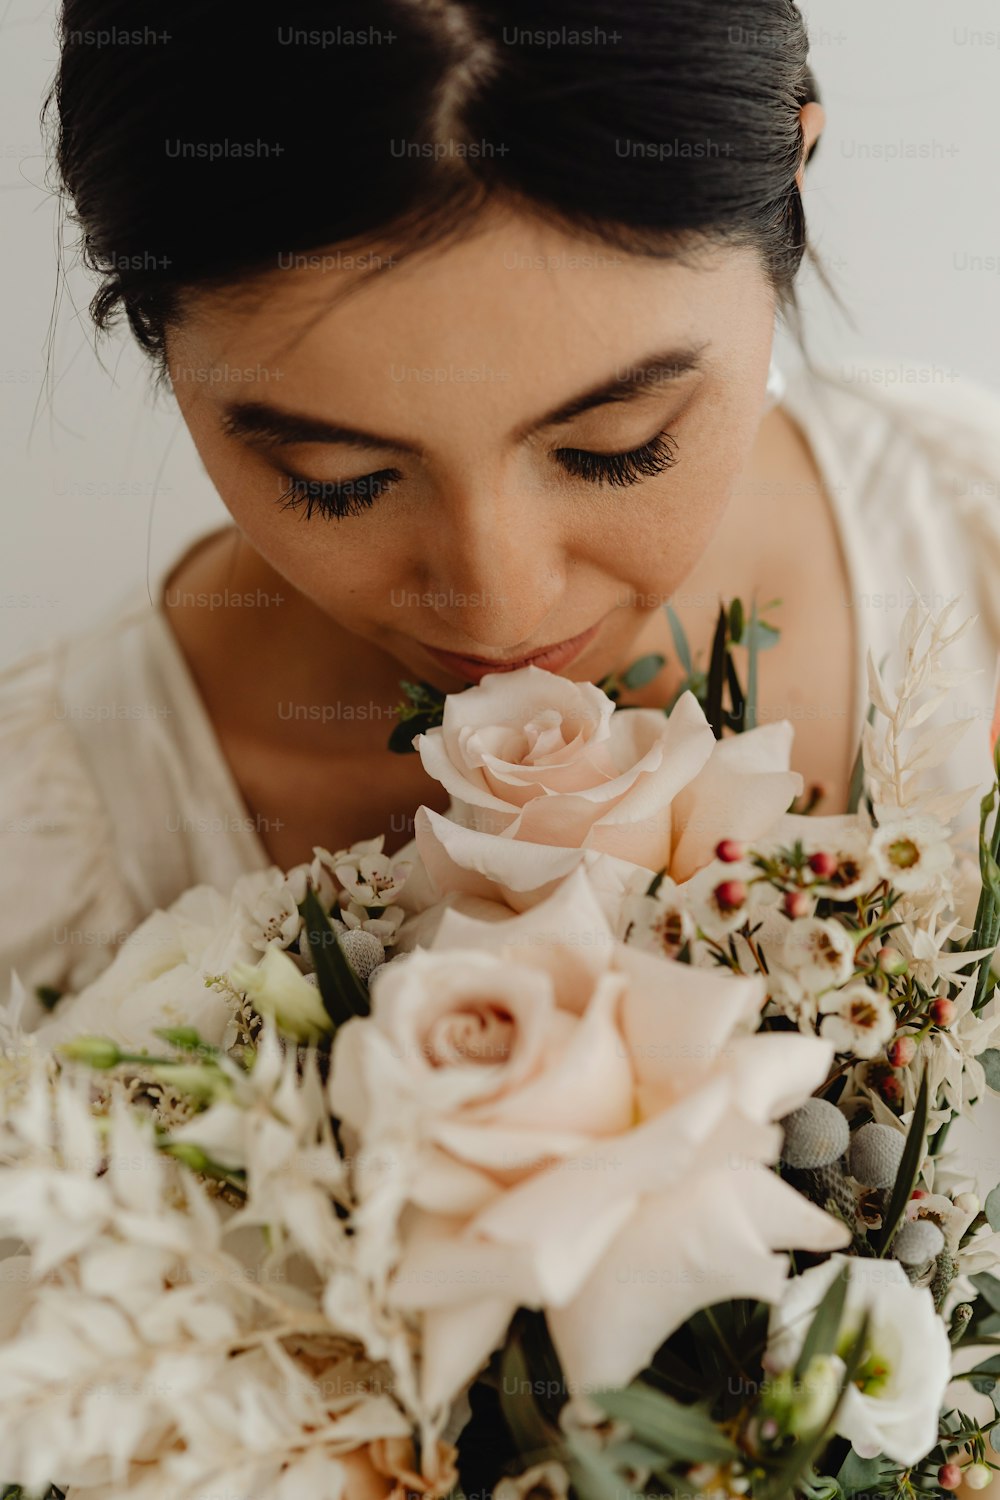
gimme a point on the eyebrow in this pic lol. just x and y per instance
(272, 424)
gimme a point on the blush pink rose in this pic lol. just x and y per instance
(535, 1112)
(545, 775)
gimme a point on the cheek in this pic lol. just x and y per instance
(663, 531)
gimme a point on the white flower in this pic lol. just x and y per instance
(552, 1109)
(385, 926)
(369, 877)
(158, 976)
(160, 1345)
(951, 1054)
(661, 923)
(911, 852)
(722, 899)
(923, 940)
(894, 1404)
(277, 987)
(846, 836)
(819, 952)
(275, 919)
(857, 1019)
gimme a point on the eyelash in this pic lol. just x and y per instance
(352, 496)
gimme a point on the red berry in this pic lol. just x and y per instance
(730, 850)
(942, 1012)
(902, 1051)
(730, 895)
(919, 1193)
(822, 864)
(796, 904)
(949, 1476)
(891, 1089)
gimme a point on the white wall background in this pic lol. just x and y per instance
(100, 482)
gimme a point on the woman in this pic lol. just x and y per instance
(469, 311)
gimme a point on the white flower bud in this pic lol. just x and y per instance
(276, 987)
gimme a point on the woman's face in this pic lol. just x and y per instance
(468, 410)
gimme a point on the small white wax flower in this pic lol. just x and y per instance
(819, 952)
(857, 1019)
(911, 852)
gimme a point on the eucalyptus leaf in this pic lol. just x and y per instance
(683, 1432)
(643, 670)
(992, 1209)
(762, 635)
(593, 1476)
(986, 1285)
(860, 1476)
(990, 1060)
(680, 640)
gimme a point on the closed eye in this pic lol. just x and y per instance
(349, 497)
(659, 454)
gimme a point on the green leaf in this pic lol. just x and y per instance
(909, 1166)
(762, 636)
(986, 1285)
(990, 1060)
(533, 1438)
(643, 670)
(680, 640)
(186, 1038)
(736, 622)
(717, 676)
(753, 646)
(992, 1210)
(821, 1337)
(857, 785)
(735, 717)
(342, 991)
(594, 1475)
(682, 1432)
(860, 1476)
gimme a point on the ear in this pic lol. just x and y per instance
(812, 118)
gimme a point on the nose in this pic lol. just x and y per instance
(497, 569)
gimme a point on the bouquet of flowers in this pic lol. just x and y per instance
(593, 1145)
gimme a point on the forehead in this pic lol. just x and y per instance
(513, 303)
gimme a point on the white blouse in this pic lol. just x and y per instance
(115, 795)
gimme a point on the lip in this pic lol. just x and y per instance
(550, 658)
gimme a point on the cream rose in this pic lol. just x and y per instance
(541, 1116)
(545, 775)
